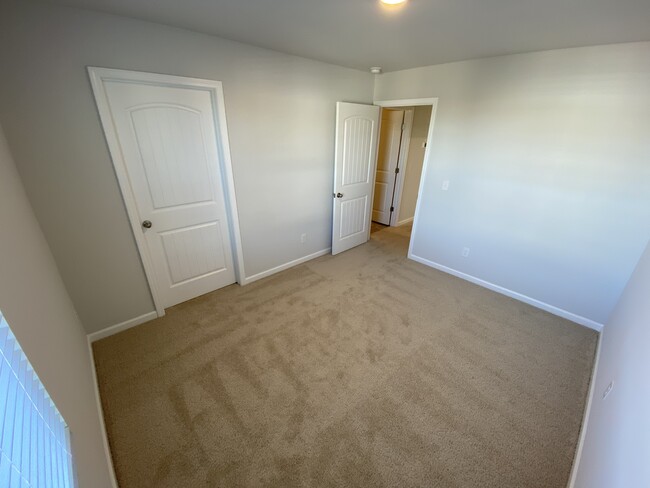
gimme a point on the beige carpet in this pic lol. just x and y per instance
(359, 370)
(376, 227)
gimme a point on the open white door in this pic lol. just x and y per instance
(354, 171)
(390, 142)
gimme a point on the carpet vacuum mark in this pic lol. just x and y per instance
(358, 370)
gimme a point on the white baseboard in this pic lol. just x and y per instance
(102, 424)
(578, 319)
(585, 418)
(404, 222)
(114, 329)
(250, 279)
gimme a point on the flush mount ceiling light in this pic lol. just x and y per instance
(392, 2)
(375, 70)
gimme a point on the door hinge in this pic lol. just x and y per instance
(392, 209)
(403, 125)
(396, 170)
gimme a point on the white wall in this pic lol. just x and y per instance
(39, 312)
(415, 160)
(280, 112)
(547, 157)
(617, 446)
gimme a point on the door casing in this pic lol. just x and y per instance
(97, 78)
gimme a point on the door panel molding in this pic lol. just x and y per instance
(98, 78)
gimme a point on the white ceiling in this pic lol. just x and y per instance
(362, 33)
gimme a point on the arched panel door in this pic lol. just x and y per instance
(354, 170)
(167, 143)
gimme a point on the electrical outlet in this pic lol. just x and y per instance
(445, 185)
(465, 252)
(608, 390)
(303, 238)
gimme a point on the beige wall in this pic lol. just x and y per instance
(280, 112)
(415, 159)
(547, 158)
(40, 313)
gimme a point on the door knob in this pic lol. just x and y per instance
(147, 224)
(339, 195)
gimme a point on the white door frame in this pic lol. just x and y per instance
(97, 78)
(414, 102)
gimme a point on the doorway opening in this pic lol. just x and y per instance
(402, 143)
(355, 170)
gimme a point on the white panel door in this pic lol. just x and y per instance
(168, 140)
(354, 170)
(390, 140)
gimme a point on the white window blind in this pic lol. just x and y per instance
(34, 439)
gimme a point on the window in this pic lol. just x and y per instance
(34, 439)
